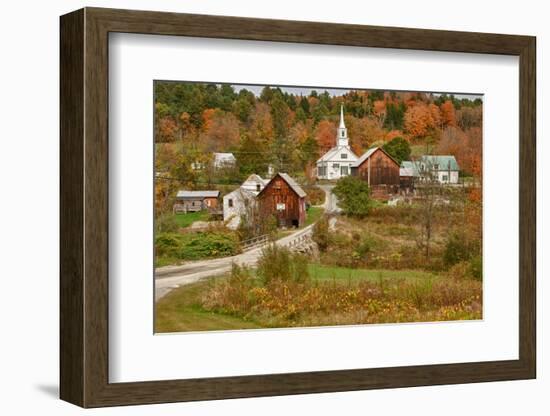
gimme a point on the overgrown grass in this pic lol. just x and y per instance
(313, 215)
(185, 220)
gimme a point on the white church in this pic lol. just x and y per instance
(337, 162)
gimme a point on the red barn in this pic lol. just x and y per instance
(283, 198)
(377, 167)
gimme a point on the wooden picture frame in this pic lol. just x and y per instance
(84, 207)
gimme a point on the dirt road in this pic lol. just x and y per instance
(171, 277)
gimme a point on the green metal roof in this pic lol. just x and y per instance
(445, 162)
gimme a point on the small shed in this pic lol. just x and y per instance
(408, 173)
(377, 167)
(283, 198)
(191, 201)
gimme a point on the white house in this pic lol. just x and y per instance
(337, 162)
(236, 203)
(442, 168)
(254, 183)
(224, 160)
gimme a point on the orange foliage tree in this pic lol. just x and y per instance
(419, 120)
(325, 135)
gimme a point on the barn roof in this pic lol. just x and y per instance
(445, 162)
(369, 153)
(293, 184)
(198, 194)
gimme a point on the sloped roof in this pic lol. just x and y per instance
(408, 168)
(445, 162)
(224, 156)
(290, 181)
(293, 184)
(256, 178)
(241, 192)
(369, 153)
(198, 194)
(336, 149)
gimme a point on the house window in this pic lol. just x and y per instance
(336, 165)
(321, 171)
(230, 203)
(344, 170)
(445, 178)
(280, 207)
(258, 187)
(436, 166)
(344, 156)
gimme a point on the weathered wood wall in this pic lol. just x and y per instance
(279, 192)
(383, 169)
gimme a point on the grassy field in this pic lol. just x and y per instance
(182, 310)
(185, 220)
(321, 272)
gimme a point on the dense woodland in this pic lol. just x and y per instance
(291, 131)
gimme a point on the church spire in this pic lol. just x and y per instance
(342, 125)
(342, 131)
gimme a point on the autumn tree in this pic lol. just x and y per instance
(419, 121)
(448, 115)
(325, 135)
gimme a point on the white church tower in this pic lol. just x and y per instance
(342, 131)
(337, 161)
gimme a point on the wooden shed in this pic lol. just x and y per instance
(285, 199)
(191, 201)
(377, 167)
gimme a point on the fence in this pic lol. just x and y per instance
(254, 242)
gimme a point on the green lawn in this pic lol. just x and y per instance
(323, 273)
(185, 220)
(313, 214)
(181, 310)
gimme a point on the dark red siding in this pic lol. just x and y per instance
(292, 207)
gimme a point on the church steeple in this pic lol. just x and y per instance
(342, 130)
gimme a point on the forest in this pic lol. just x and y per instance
(290, 132)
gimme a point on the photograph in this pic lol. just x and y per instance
(310, 206)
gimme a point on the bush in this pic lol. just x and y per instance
(166, 223)
(315, 195)
(195, 246)
(354, 196)
(280, 264)
(167, 244)
(321, 234)
(476, 267)
(459, 248)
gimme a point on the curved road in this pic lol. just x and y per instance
(171, 277)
